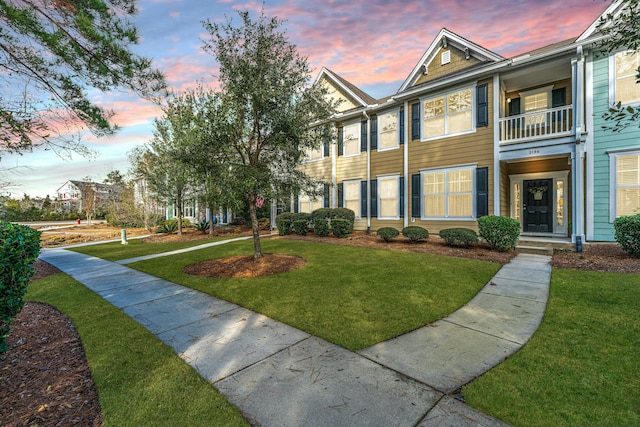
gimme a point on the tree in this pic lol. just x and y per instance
(622, 30)
(51, 53)
(269, 109)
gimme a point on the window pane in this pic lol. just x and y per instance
(460, 180)
(434, 127)
(388, 188)
(628, 201)
(560, 203)
(354, 205)
(628, 170)
(460, 205)
(314, 154)
(352, 196)
(434, 206)
(433, 182)
(388, 127)
(460, 122)
(388, 207)
(627, 91)
(538, 101)
(433, 108)
(317, 204)
(459, 101)
(388, 194)
(626, 64)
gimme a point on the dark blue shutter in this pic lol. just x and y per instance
(559, 97)
(326, 195)
(326, 149)
(363, 199)
(340, 195)
(374, 133)
(415, 121)
(296, 203)
(482, 105)
(482, 192)
(340, 141)
(363, 136)
(401, 127)
(415, 195)
(402, 197)
(374, 198)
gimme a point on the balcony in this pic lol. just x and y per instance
(542, 124)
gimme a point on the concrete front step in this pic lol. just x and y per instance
(534, 250)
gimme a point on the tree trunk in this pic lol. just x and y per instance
(179, 208)
(211, 214)
(257, 250)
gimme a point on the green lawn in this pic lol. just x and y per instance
(115, 251)
(581, 368)
(353, 297)
(140, 381)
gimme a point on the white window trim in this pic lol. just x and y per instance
(359, 142)
(397, 179)
(344, 195)
(532, 92)
(612, 81)
(446, 201)
(397, 111)
(308, 158)
(423, 138)
(613, 163)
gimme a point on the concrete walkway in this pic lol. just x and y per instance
(280, 376)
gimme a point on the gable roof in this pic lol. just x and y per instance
(446, 38)
(614, 10)
(359, 96)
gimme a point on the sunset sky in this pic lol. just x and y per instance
(374, 44)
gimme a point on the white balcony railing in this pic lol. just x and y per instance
(542, 124)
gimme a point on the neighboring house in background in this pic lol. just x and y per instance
(72, 195)
(470, 133)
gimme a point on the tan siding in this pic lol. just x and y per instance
(320, 170)
(351, 167)
(377, 224)
(437, 70)
(336, 94)
(387, 162)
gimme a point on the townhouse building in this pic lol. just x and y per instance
(470, 133)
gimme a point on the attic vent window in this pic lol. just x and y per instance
(445, 58)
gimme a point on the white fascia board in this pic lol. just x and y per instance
(614, 9)
(331, 76)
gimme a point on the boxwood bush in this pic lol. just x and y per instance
(627, 233)
(388, 233)
(415, 233)
(500, 232)
(341, 227)
(299, 216)
(459, 236)
(283, 222)
(301, 226)
(322, 213)
(321, 227)
(19, 248)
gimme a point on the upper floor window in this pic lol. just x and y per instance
(351, 139)
(448, 114)
(533, 101)
(388, 130)
(626, 64)
(314, 154)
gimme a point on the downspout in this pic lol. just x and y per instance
(406, 163)
(366, 116)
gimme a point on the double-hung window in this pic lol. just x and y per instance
(388, 131)
(448, 193)
(625, 183)
(351, 139)
(389, 197)
(352, 196)
(624, 67)
(448, 114)
(314, 154)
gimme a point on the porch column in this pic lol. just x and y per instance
(579, 156)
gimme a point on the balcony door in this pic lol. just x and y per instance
(538, 206)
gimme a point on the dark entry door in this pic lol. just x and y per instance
(538, 202)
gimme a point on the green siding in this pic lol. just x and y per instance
(604, 141)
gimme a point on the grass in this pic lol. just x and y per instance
(140, 381)
(115, 251)
(353, 297)
(581, 366)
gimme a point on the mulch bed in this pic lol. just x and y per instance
(45, 378)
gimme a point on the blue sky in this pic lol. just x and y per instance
(374, 44)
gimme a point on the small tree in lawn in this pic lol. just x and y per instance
(270, 108)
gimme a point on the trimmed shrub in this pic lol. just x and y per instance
(459, 236)
(322, 213)
(341, 227)
(388, 233)
(283, 222)
(344, 213)
(627, 233)
(301, 226)
(299, 216)
(415, 233)
(500, 232)
(321, 227)
(19, 248)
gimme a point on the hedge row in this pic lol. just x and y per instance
(19, 248)
(338, 220)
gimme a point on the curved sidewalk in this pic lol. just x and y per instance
(280, 376)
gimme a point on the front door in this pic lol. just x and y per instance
(537, 207)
